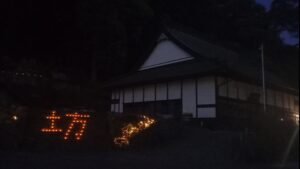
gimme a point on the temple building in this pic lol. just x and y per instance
(186, 75)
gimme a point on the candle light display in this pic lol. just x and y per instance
(77, 118)
(130, 130)
(53, 118)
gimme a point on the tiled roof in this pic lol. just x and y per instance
(210, 58)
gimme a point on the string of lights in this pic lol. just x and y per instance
(130, 130)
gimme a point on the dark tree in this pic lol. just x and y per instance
(98, 39)
(284, 16)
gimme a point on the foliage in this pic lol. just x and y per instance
(247, 24)
(284, 16)
(98, 39)
(233, 20)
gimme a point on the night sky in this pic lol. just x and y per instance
(266, 3)
(285, 35)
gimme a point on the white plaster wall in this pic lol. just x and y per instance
(174, 90)
(150, 93)
(222, 86)
(189, 97)
(121, 102)
(138, 94)
(161, 92)
(244, 90)
(114, 96)
(271, 97)
(207, 113)
(166, 52)
(257, 90)
(128, 98)
(114, 108)
(233, 89)
(206, 91)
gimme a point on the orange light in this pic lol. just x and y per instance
(130, 130)
(52, 128)
(76, 120)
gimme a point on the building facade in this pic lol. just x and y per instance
(187, 76)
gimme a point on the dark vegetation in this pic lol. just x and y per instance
(99, 39)
(78, 45)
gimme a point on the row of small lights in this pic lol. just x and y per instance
(24, 74)
(78, 115)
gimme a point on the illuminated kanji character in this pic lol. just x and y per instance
(53, 118)
(80, 119)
